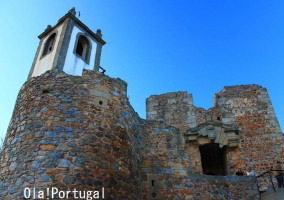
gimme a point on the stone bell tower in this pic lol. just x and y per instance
(69, 46)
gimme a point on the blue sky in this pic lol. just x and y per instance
(157, 46)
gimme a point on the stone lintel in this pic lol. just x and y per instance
(222, 134)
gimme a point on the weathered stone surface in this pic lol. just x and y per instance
(44, 178)
(85, 134)
(67, 140)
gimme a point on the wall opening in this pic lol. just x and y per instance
(79, 49)
(213, 159)
(48, 46)
(83, 48)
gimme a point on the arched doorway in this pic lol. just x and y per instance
(213, 159)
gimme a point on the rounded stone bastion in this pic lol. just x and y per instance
(72, 132)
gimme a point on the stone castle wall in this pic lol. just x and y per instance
(249, 108)
(168, 171)
(261, 139)
(246, 107)
(81, 132)
(72, 132)
(174, 109)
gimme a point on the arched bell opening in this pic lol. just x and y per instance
(49, 45)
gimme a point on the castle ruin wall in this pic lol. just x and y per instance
(81, 132)
(72, 132)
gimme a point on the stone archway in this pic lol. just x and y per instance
(213, 140)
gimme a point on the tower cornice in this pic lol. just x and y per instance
(71, 16)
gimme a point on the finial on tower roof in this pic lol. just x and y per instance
(99, 33)
(48, 27)
(72, 11)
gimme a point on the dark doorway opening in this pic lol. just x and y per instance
(213, 159)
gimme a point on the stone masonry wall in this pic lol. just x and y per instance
(247, 107)
(72, 132)
(250, 108)
(177, 109)
(81, 132)
(174, 109)
(167, 170)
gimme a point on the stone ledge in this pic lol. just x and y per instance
(224, 179)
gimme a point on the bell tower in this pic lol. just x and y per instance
(69, 46)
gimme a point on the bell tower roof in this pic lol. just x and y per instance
(71, 14)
